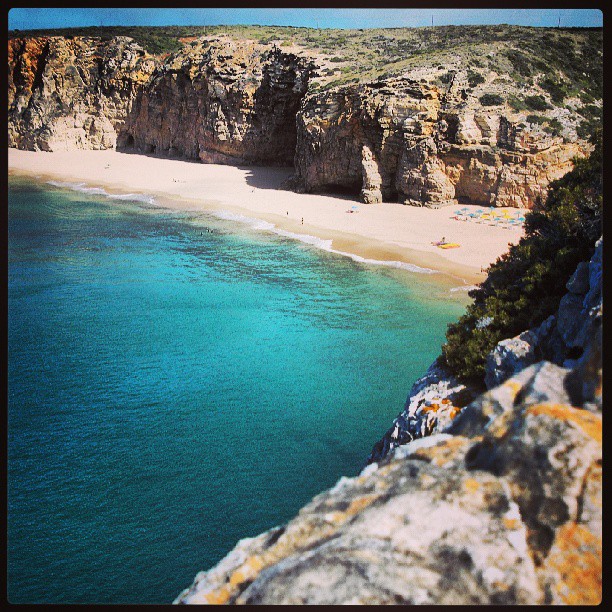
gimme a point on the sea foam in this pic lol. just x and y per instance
(464, 288)
(82, 188)
(320, 243)
(256, 224)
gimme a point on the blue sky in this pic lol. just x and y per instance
(30, 18)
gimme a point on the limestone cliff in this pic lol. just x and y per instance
(405, 140)
(423, 138)
(220, 102)
(72, 93)
(223, 102)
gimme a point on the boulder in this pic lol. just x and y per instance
(509, 357)
(563, 337)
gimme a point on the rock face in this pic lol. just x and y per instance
(571, 338)
(72, 93)
(433, 403)
(223, 103)
(507, 510)
(565, 338)
(405, 140)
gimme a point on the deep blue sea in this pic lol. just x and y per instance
(180, 382)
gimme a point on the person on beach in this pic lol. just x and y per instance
(302, 220)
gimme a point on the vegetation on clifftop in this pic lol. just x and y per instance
(525, 285)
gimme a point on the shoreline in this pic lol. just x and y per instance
(387, 232)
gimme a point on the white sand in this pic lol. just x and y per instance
(379, 231)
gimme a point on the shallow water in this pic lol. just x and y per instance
(177, 383)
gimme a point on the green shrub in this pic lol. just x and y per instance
(590, 111)
(587, 127)
(554, 127)
(524, 286)
(556, 89)
(537, 103)
(474, 78)
(491, 100)
(516, 103)
(539, 119)
(447, 77)
(520, 62)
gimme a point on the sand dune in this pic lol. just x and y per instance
(387, 231)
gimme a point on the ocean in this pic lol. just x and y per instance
(179, 381)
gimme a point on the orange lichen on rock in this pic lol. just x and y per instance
(360, 503)
(471, 485)
(454, 411)
(587, 421)
(511, 523)
(514, 387)
(430, 408)
(218, 596)
(576, 556)
(246, 571)
(237, 578)
(442, 453)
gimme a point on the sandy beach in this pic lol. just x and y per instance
(387, 231)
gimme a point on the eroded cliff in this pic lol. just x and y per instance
(406, 140)
(226, 102)
(440, 133)
(72, 93)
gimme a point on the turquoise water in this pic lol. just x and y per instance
(174, 389)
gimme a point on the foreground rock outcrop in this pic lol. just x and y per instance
(570, 338)
(506, 510)
(433, 403)
(495, 499)
(564, 338)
